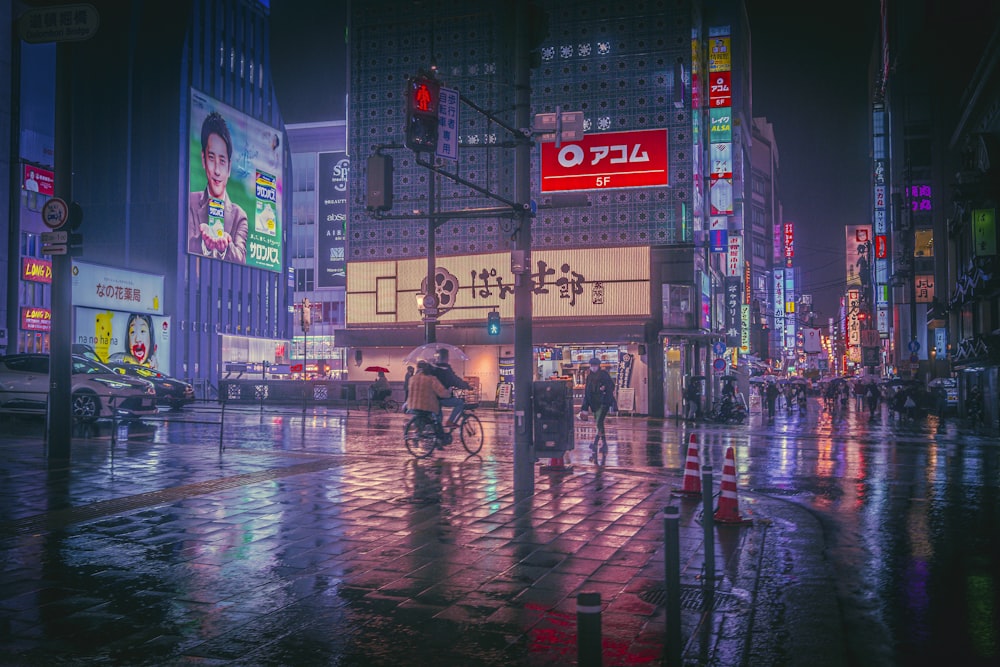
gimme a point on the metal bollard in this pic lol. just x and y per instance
(588, 630)
(708, 522)
(672, 583)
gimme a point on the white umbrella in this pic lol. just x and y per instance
(426, 352)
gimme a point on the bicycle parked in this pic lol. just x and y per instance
(421, 432)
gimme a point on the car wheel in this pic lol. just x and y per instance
(86, 405)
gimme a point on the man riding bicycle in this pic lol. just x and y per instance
(442, 370)
(426, 392)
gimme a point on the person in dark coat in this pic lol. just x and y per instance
(598, 397)
(771, 396)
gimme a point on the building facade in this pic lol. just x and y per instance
(159, 241)
(622, 265)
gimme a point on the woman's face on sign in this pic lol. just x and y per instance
(139, 341)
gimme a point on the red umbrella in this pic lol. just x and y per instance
(377, 369)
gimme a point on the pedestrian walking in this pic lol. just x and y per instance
(598, 397)
(406, 385)
(771, 396)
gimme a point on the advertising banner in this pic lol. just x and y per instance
(117, 289)
(734, 257)
(722, 160)
(39, 180)
(857, 248)
(789, 243)
(235, 186)
(720, 194)
(719, 58)
(331, 221)
(135, 338)
(606, 160)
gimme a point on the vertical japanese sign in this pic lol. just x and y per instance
(720, 127)
(984, 229)
(779, 306)
(880, 220)
(447, 145)
(734, 257)
(331, 222)
(853, 326)
(733, 298)
(789, 243)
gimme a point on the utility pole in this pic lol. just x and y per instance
(524, 454)
(60, 414)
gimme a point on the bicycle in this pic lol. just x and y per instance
(420, 434)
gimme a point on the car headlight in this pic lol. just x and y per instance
(113, 384)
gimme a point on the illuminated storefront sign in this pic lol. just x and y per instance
(779, 303)
(745, 330)
(734, 258)
(924, 287)
(720, 125)
(719, 93)
(920, 198)
(106, 287)
(984, 231)
(36, 270)
(722, 160)
(331, 224)
(853, 326)
(35, 319)
(721, 196)
(601, 282)
(606, 160)
(789, 243)
(137, 338)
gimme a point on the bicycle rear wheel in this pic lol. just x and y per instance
(419, 437)
(471, 433)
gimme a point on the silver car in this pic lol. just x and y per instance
(97, 391)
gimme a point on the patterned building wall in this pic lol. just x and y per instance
(617, 62)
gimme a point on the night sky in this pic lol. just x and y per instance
(810, 80)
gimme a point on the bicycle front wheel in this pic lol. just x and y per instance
(419, 438)
(471, 432)
(391, 405)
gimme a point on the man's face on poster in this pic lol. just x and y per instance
(215, 160)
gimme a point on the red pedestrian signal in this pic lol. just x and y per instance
(422, 95)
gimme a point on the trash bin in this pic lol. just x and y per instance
(552, 414)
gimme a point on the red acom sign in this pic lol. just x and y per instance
(606, 160)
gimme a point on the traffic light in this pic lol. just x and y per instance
(306, 315)
(493, 323)
(422, 95)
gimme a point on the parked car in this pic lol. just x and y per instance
(169, 391)
(24, 387)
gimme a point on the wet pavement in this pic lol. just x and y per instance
(313, 538)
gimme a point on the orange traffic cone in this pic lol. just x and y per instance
(728, 510)
(692, 470)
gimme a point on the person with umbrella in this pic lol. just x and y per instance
(380, 388)
(444, 373)
(426, 394)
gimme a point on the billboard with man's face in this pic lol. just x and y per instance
(234, 201)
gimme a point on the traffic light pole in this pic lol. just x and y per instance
(430, 293)
(60, 409)
(524, 454)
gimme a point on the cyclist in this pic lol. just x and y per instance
(442, 370)
(426, 392)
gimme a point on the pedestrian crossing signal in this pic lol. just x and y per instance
(422, 97)
(493, 323)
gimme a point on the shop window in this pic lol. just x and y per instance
(923, 243)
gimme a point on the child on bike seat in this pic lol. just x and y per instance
(426, 392)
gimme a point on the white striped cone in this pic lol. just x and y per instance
(728, 510)
(692, 470)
